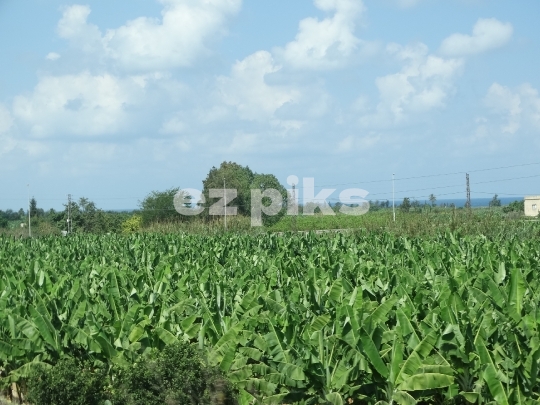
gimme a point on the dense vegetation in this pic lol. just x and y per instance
(312, 319)
(158, 212)
(177, 375)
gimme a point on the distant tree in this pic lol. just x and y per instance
(33, 207)
(11, 215)
(495, 202)
(35, 212)
(235, 177)
(243, 180)
(22, 214)
(406, 204)
(374, 206)
(432, 199)
(3, 221)
(337, 206)
(87, 218)
(158, 206)
(415, 205)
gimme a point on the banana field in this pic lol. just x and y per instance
(307, 319)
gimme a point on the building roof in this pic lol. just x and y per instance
(532, 197)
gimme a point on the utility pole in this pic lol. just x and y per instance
(29, 223)
(225, 204)
(294, 202)
(468, 203)
(69, 215)
(393, 198)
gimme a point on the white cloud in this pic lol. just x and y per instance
(177, 39)
(74, 27)
(52, 56)
(6, 122)
(488, 33)
(519, 108)
(173, 126)
(247, 91)
(325, 44)
(424, 83)
(80, 104)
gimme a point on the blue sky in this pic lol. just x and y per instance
(110, 100)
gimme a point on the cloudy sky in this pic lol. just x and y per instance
(113, 99)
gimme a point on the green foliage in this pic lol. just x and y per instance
(243, 179)
(3, 222)
(177, 375)
(158, 206)
(515, 206)
(269, 181)
(378, 205)
(132, 224)
(495, 202)
(67, 383)
(406, 205)
(87, 218)
(34, 210)
(236, 177)
(10, 215)
(428, 223)
(357, 318)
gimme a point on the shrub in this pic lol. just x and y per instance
(67, 383)
(133, 224)
(516, 206)
(176, 375)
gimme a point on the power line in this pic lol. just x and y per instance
(469, 171)
(365, 182)
(433, 175)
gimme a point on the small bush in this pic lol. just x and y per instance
(133, 224)
(67, 383)
(175, 376)
(516, 206)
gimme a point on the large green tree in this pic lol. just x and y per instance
(243, 180)
(231, 176)
(158, 206)
(265, 182)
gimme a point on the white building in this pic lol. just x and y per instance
(532, 205)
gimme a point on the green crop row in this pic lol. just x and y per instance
(309, 319)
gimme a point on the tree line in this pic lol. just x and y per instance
(158, 206)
